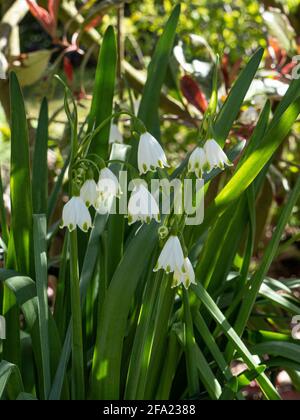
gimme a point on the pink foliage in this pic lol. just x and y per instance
(47, 18)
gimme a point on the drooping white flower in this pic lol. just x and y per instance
(150, 154)
(249, 116)
(215, 156)
(89, 193)
(75, 213)
(115, 135)
(108, 189)
(187, 278)
(108, 183)
(198, 162)
(171, 258)
(142, 206)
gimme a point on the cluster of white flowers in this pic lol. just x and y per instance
(142, 205)
(205, 159)
(172, 260)
(99, 195)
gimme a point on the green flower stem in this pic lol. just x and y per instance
(4, 228)
(190, 348)
(77, 371)
(142, 343)
(78, 388)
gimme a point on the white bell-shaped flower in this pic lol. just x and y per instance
(115, 135)
(215, 156)
(108, 183)
(171, 258)
(142, 206)
(150, 154)
(75, 213)
(187, 278)
(198, 162)
(108, 189)
(89, 193)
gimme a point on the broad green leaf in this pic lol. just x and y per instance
(40, 163)
(234, 101)
(3, 221)
(279, 349)
(278, 299)
(258, 278)
(113, 318)
(24, 290)
(265, 384)
(10, 380)
(157, 70)
(20, 251)
(103, 94)
(20, 183)
(119, 152)
(40, 254)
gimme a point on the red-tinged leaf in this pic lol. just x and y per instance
(235, 69)
(193, 93)
(230, 72)
(46, 19)
(53, 6)
(93, 23)
(288, 67)
(274, 49)
(225, 70)
(68, 69)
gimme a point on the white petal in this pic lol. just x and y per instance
(83, 216)
(150, 154)
(104, 204)
(171, 257)
(187, 278)
(142, 205)
(190, 273)
(75, 213)
(69, 218)
(108, 183)
(115, 134)
(198, 161)
(215, 155)
(88, 193)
